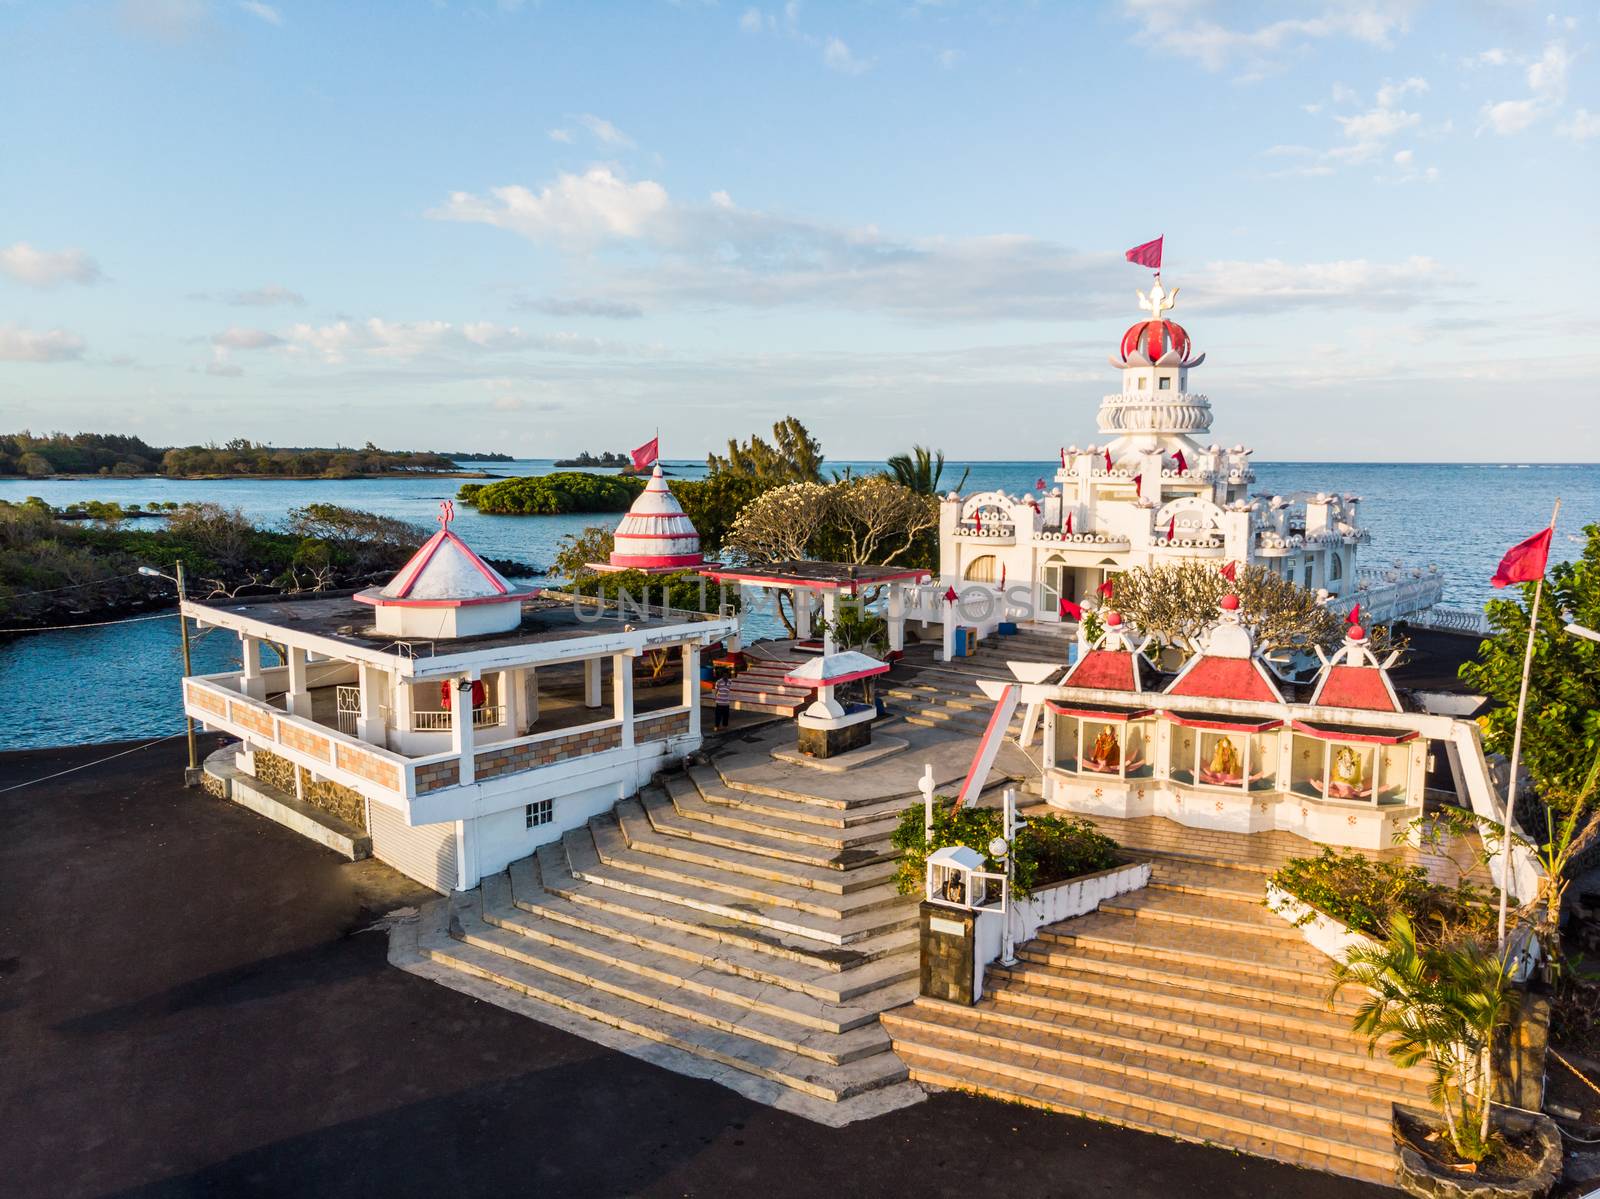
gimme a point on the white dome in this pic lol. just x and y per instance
(655, 534)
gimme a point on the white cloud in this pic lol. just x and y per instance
(46, 268)
(1492, 57)
(561, 135)
(604, 130)
(583, 208)
(1187, 29)
(753, 20)
(166, 20)
(1510, 116)
(271, 295)
(239, 338)
(948, 58)
(379, 339)
(265, 11)
(608, 309)
(1547, 80)
(26, 345)
(1583, 125)
(717, 254)
(1403, 157)
(1366, 133)
(837, 57)
(1272, 284)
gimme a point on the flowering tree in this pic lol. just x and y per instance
(779, 525)
(1177, 602)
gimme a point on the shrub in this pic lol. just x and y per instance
(551, 495)
(1365, 895)
(1048, 849)
(686, 590)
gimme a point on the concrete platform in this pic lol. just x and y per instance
(266, 800)
(881, 747)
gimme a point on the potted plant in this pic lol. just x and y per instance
(1443, 1004)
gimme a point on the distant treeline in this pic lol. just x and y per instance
(459, 456)
(113, 454)
(605, 458)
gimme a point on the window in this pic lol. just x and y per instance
(539, 813)
(1335, 568)
(982, 570)
(1164, 383)
(1142, 383)
(1115, 748)
(1333, 769)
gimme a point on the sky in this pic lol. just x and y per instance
(537, 228)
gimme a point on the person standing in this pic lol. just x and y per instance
(723, 690)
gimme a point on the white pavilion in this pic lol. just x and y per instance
(1152, 492)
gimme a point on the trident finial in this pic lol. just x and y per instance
(1158, 301)
(447, 513)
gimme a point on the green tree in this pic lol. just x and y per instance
(793, 456)
(1562, 732)
(921, 470)
(1441, 1004)
(575, 551)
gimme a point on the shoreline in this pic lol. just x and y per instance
(391, 474)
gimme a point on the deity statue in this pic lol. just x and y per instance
(1107, 754)
(1224, 766)
(1346, 775)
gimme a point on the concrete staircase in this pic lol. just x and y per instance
(761, 688)
(742, 933)
(1186, 1009)
(947, 695)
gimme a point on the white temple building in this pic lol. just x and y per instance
(449, 721)
(1153, 492)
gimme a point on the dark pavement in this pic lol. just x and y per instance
(189, 1006)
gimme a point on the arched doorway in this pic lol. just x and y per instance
(1055, 585)
(982, 570)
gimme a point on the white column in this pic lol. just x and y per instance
(509, 685)
(298, 702)
(802, 613)
(530, 691)
(622, 694)
(591, 682)
(404, 705)
(830, 611)
(1048, 755)
(897, 617)
(691, 684)
(461, 742)
(374, 683)
(253, 684)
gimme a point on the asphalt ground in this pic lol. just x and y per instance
(189, 1006)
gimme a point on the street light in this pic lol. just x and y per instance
(191, 776)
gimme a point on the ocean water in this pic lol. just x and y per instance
(119, 681)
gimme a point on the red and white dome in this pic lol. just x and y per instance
(656, 534)
(1153, 341)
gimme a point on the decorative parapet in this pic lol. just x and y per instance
(661, 725)
(512, 757)
(1097, 540)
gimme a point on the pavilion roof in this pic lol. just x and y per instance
(825, 576)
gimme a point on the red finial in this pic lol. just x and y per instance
(1230, 602)
(1113, 619)
(447, 513)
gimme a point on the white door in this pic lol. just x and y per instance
(1050, 591)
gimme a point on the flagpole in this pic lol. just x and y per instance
(1516, 744)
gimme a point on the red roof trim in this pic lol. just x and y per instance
(1220, 722)
(412, 570)
(379, 600)
(1370, 738)
(1085, 713)
(834, 682)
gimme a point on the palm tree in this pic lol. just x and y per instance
(920, 470)
(1441, 1004)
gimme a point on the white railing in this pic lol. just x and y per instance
(440, 721)
(1452, 620)
(347, 704)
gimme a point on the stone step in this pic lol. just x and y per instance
(1278, 1065)
(728, 1048)
(792, 841)
(1196, 1068)
(734, 778)
(652, 826)
(1334, 1046)
(670, 933)
(1155, 941)
(791, 811)
(619, 896)
(611, 865)
(723, 999)
(1238, 886)
(1248, 919)
(939, 1061)
(1188, 978)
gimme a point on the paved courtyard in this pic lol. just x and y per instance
(189, 1006)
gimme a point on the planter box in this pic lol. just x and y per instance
(1415, 1175)
(1320, 931)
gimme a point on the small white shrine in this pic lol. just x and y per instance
(454, 719)
(656, 536)
(1153, 492)
(1339, 760)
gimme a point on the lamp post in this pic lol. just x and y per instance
(191, 777)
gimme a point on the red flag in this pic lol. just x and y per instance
(1138, 484)
(1039, 486)
(1355, 615)
(950, 595)
(1107, 588)
(1183, 463)
(1063, 457)
(1069, 522)
(647, 453)
(1002, 576)
(1172, 528)
(1149, 254)
(1068, 608)
(1231, 572)
(1108, 460)
(1525, 561)
(977, 522)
